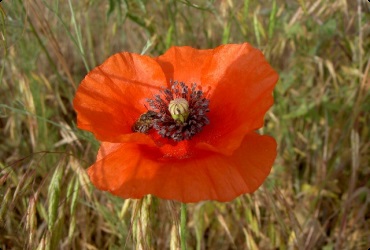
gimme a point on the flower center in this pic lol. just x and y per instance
(179, 114)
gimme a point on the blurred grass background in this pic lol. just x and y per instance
(318, 194)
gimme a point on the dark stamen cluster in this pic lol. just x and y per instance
(198, 108)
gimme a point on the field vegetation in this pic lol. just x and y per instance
(318, 193)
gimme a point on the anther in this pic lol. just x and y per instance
(180, 112)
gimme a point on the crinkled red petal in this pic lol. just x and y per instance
(112, 96)
(132, 171)
(239, 82)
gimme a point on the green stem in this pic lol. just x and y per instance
(183, 226)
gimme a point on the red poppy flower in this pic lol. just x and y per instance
(180, 126)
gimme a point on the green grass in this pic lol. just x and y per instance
(318, 194)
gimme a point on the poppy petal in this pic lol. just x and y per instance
(242, 83)
(113, 95)
(184, 64)
(132, 171)
(239, 82)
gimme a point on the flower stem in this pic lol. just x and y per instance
(183, 226)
